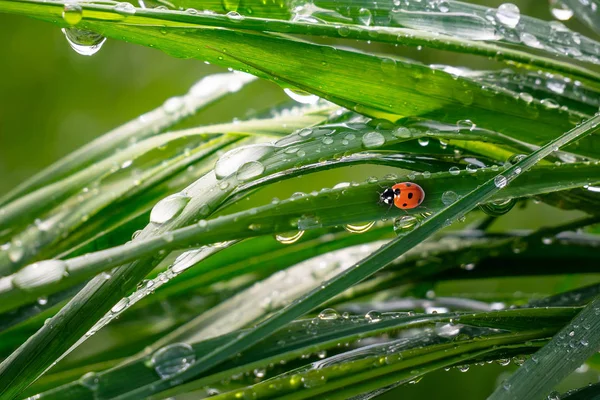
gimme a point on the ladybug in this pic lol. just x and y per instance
(404, 195)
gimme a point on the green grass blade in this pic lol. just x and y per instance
(575, 343)
(204, 92)
(374, 262)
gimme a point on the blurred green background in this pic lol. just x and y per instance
(53, 100)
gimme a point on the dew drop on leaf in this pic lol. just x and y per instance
(250, 170)
(373, 316)
(500, 181)
(508, 14)
(301, 96)
(560, 10)
(329, 314)
(125, 8)
(230, 162)
(372, 140)
(168, 208)
(84, 42)
(173, 359)
(72, 13)
(40, 273)
(449, 197)
(405, 224)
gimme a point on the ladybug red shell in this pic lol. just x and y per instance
(404, 195)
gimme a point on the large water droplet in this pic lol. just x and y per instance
(495, 209)
(508, 14)
(173, 359)
(449, 197)
(250, 170)
(405, 224)
(365, 17)
(125, 8)
(301, 96)
(373, 316)
(168, 208)
(329, 314)
(500, 181)
(372, 140)
(84, 42)
(560, 10)
(72, 13)
(40, 274)
(230, 162)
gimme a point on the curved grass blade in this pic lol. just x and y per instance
(288, 345)
(409, 88)
(209, 89)
(575, 343)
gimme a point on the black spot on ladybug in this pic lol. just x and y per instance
(408, 185)
(397, 192)
(420, 200)
(404, 205)
(410, 195)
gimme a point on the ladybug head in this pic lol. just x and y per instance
(387, 196)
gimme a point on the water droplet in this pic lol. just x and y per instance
(498, 208)
(84, 42)
(508, 14)
(42, 301)
(259, 373)
(250, 170)
(373, 316)
(125, 8)
(405, 224)
(40, 274)
(471, 168)
(423, 141)
(234, 15)
(449, 197)
(168, 208)
(289, 238)
(329, 314)
(173, 359)
(560, 10)
(465, 124)
(72, 13)
(365, 17)
(301, 96)
(500, 181)
(463, 368)
(230, 162)
(359, 228)
(454, 171)
(372, 140)
(550, 103)
(121, 305)
(327, 140)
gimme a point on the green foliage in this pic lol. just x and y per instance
(324, 289)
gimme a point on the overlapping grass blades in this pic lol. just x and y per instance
(488, 116)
